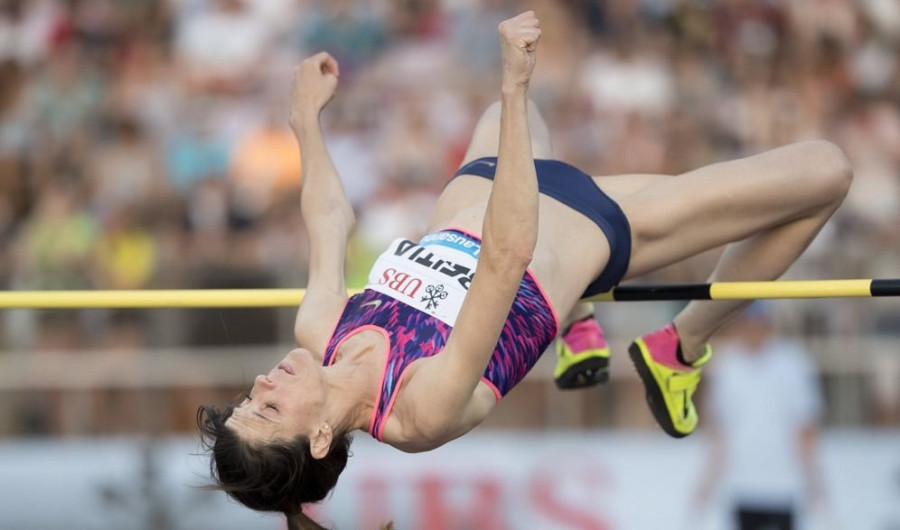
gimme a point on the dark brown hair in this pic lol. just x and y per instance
(270, 476)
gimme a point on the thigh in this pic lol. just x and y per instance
(619, 187)
(486, 137)
(673, 219)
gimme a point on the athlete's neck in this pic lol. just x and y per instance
(354, 381)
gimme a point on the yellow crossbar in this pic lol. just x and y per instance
(152, 298)
(292, 297)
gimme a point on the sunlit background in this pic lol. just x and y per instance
(144, 145)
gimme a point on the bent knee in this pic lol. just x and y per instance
(836, 170)
(829, 169)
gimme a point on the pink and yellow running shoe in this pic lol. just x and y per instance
(668, 383)
(582, 356)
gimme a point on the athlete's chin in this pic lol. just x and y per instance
(299, 357)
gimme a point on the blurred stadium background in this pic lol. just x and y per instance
(143, 144)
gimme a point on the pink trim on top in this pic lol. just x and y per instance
(387, 412)
(528, 271)
(387, 351)
(492, 387)
(331, 335)
(546, 298)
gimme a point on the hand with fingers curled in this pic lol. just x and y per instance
(314, 83)
(518, 41)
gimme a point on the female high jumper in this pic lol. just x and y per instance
(426, 351)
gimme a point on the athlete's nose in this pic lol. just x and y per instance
(264, 381)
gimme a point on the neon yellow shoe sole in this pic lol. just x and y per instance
(582, 370)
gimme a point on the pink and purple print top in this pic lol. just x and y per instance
(404, 300)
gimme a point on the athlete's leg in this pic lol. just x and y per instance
(769, 207)
(581, 311)
(766, 208)
(621, 186)
(485, 142)
(486, 137)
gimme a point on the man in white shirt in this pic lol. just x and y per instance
(220, 49)
(764, 406)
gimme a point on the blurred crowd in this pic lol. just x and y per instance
(144, 144)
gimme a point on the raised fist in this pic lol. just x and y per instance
(518, 41)
(315, 81)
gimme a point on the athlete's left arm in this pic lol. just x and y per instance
(441, 396)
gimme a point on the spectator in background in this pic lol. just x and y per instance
(124, 170)
(220, 49)
(410, 151)
(145, 86)
(473, 35)
(125, 252)
(351, 30)
(353, 138)
(66, 97)
(417, 20)
(630, 86)
(278, 14)
(628, 77)
(763, 411)
(26, 29)
(98, 26)
(52, 250)
(55, 243)
(15, 141)
(265, 165)
(197, 152)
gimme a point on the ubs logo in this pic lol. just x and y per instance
(401, 282)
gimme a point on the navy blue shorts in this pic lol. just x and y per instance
(576, 189)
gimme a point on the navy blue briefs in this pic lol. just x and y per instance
(577, 190)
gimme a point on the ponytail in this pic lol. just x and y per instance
(300, 521)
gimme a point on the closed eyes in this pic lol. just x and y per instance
(249, 399)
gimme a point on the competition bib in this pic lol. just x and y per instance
(432, 275)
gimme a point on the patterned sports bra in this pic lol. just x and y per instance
(414, 294)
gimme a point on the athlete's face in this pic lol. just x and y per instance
(286, 402)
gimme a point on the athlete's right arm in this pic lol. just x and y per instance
(326, 212)
(446, 405)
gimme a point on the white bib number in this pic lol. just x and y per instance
(433, 275)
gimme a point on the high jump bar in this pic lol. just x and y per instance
(195, 298)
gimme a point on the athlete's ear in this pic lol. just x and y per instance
(320, 441)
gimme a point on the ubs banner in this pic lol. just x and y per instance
(483, 481)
